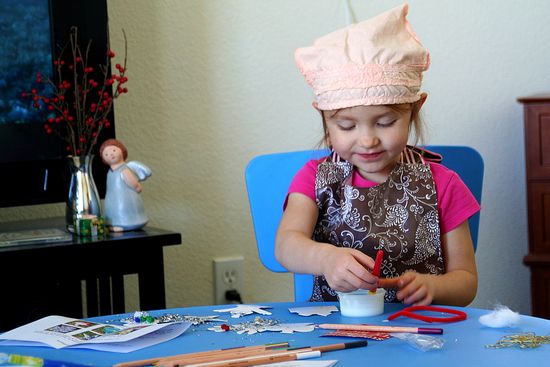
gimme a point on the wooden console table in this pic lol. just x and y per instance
(43, 279)
(537, 156)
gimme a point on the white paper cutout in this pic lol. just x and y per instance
(318, 310)
(242, 310)
(291, 328)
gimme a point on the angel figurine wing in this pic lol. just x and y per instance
(141, 170)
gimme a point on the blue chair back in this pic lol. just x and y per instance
(268, 178)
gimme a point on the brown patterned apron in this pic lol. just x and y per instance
(398, 216)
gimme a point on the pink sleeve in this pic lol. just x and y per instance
(456, 202)
(304, 181)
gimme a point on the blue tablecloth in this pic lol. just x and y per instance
(465, 341)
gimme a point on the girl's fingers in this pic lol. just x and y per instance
(388, 283)
(418, 298)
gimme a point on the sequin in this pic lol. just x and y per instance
(523, 341)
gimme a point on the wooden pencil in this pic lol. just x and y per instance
(214, 359)
(228, 351)
(257, 360)
(173, 362)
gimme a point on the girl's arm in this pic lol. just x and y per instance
(345, 269)
(458, 286)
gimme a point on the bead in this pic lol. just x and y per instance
(225, 327)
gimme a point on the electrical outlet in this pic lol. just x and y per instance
(228, 276)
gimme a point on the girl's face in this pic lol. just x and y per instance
(112, 155)
(369, 137)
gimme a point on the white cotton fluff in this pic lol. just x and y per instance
(501, 316)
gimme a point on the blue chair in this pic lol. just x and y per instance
(268, 178)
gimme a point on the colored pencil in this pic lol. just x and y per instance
(172, 362)
(383, 329)
(175, 361)
(257, 360)
(253, 348)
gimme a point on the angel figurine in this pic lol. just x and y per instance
(124, 209)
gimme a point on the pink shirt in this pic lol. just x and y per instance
(455, 201)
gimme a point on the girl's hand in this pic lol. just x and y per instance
(347, 269)
(413, 288)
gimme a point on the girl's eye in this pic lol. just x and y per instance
(346, 127)
(385, 123)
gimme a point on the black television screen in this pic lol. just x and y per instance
(33, 167)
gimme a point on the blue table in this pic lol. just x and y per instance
(464, 341)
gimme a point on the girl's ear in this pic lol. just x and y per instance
(327, 141)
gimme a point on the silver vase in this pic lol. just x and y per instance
(83, 201)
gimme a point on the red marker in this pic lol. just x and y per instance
(377, 265)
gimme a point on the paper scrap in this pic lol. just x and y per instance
(242, 310)
(291, 328)
(318, 310)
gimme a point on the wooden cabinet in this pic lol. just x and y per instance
(537, 156)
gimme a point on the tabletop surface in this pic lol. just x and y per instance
(465, 341)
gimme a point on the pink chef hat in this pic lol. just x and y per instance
(377, 61)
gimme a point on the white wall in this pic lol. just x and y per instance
(213, 84)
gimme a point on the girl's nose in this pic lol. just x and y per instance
(368, 140)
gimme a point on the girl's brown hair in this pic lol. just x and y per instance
(416, 121)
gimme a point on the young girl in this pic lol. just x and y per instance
(374, 191)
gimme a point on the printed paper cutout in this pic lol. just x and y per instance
(309, 311)
(65, 332)
(242, 310)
